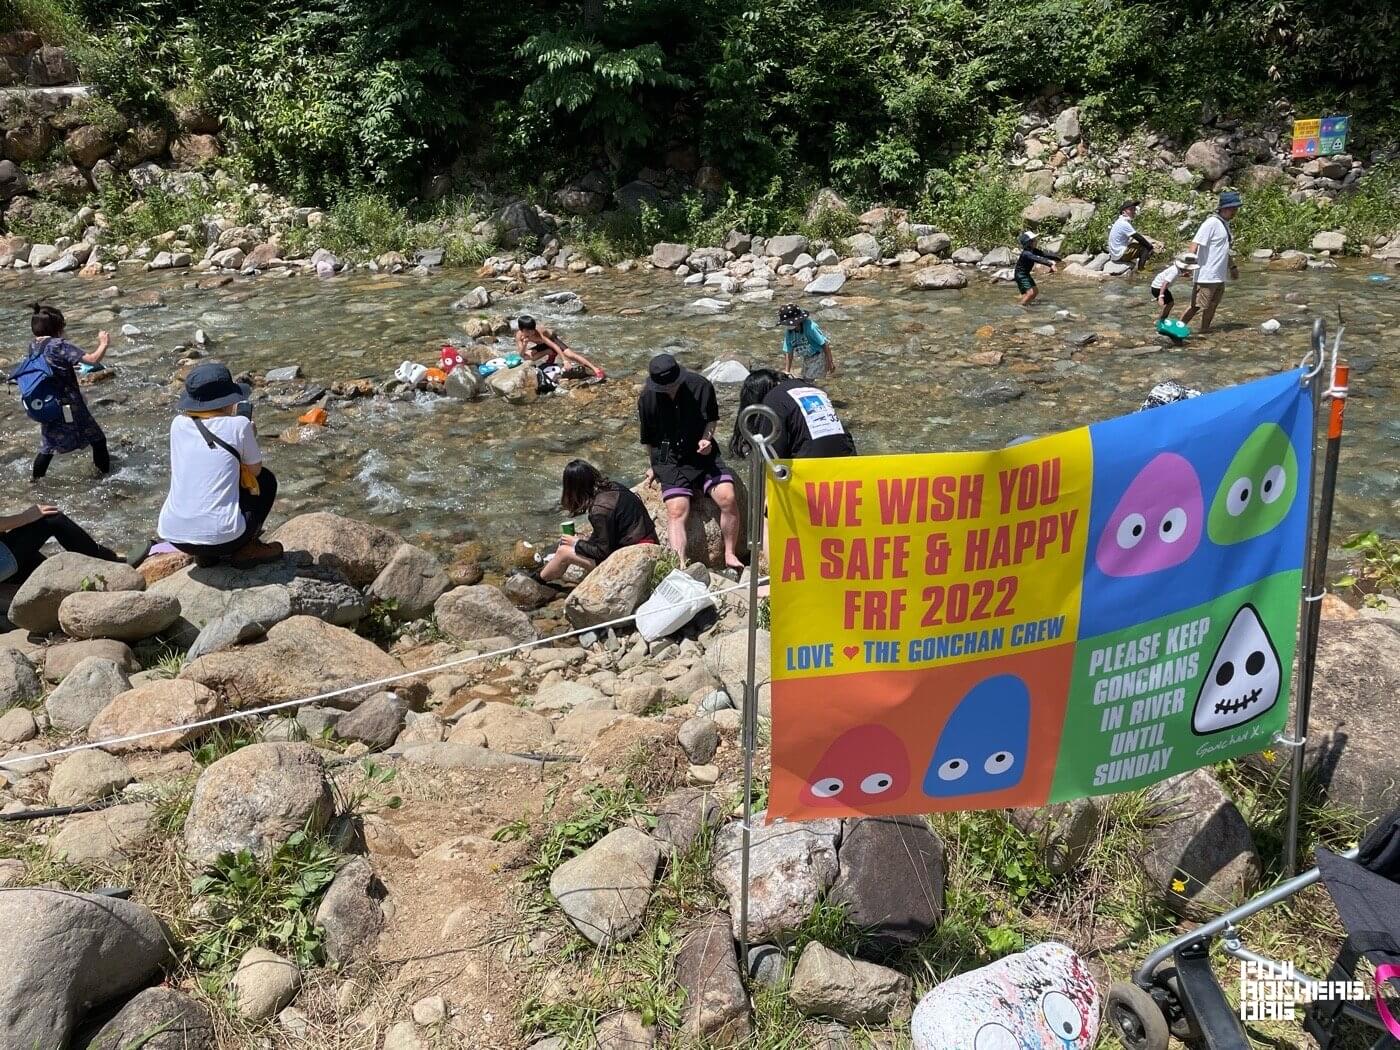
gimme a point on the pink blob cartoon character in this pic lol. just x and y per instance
(1157, 524)
(863, 766)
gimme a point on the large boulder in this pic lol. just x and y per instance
(703, 541)
(127, 616)
(727, 658)
(158, 1019)
(519, 385)
(255, 799)
(35, 604)
(604, 890)
(19, 680)
(85, 693)
(892, 878)
(300, 657)
(939, 278)
(64, 953)
(376, 723)
(1350, 743)
(716, 1004)
(62, 659)
(519, 222)
(791, 866)
(88, 144)
(413, 580)
(350, 913)
(1045, 211)
(358, 550)
(667, 256)
(1208, 159)
(482, 611)
(205, 595)
(683, 816)
(168, 702)
(827, 984)
(787, 248)
(1067, 126)
(87, 776)
(615, 588)
(1200, 855)
(195, 151)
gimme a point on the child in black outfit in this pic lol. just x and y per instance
(76, 428)
(1025, 283)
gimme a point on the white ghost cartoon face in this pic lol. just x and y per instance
(1243, 680)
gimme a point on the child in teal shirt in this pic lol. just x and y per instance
(805, 340)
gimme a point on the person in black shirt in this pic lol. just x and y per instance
(618, 516)
(678, 412)
(1025, 283)
(810, 428)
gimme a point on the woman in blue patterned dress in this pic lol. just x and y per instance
(76, 428)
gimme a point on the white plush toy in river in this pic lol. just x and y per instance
(1040, 999)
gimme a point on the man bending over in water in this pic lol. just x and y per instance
(544, 347)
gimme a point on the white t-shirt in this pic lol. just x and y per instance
(1120, 235)
(1212, 251)
(1171, 273)
(202, 506)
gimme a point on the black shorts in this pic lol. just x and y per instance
(1024, 283)
(689, 480)
(1166, 294)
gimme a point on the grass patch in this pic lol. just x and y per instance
(603, 809)
(985, 211)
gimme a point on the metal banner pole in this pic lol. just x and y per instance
(760, 455)
(1316, 588)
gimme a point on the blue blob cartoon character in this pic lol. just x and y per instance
(983, 743)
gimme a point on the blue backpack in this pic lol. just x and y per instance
(39, 389)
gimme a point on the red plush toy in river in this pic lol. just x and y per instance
(449, 359)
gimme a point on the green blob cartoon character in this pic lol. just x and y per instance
(1259, 486)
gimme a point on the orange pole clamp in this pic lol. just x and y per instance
(1338, 394)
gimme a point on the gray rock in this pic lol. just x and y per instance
(375, 723)
(86, 776)
(19, 681)
(357, 550)
(61, 660)
(1063, 831)
(1196, 835)
(826, 283)
(934, 244)
(698, 738)
(1357, 681)
(940, 278)
(1208, 159)
(667, 255)
(264, 983)
(482, 611)
(727, 658)
(252, 597)
(318, 721)
(737, 242)
(17, 725)
(233, 628)
(35, 605)
(1333, 241)
(561, 696)
(604, 890)
(892, 879)
(827, 984)
(509, 729)
(64, 953)
(623, 1030)
(787, 248)
(413, 580)
(527, 593)
(992, 392)
(995, 259)
(285, 374)
(767, 966)
(615, 588)
(863, 245)
(518, 222)
(335, 602)
(464, 383)
(479, 298)
(255, 799)
(790, 867)
(715, 700)
(1067, 126)
(683, 816)
(128, 616)
(350, 913)
(716, 1003)
(157, 1019)
(107, 838)
(429, 257)
(448, 755)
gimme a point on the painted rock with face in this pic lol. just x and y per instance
(1243, 680)
(1158, 521)
(1258, 488)
(983, 743)
(863, 766)
(1040, 999)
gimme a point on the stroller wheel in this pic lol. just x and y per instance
(1167, 989)
(1136, 1018)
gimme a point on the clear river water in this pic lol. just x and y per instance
(444, 472)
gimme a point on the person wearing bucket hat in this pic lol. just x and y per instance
(804, 339)
(678, 412)
(1211, 246)
(1162, 284)
(1125, 244)
(1026, 263)
(220, 492)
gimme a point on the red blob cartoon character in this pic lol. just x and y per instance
(449, 358)
(863, 766)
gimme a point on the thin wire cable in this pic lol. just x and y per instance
(16, 762)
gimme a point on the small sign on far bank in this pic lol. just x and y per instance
(1321, 137)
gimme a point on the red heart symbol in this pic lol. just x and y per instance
(851, 651)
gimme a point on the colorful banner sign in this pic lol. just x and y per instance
(1320, 138)
(1085, 613)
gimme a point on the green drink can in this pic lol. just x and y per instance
(566, 528)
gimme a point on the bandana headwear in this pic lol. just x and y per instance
(791, 314)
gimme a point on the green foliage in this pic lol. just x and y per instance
(381, 623)
(1377, 568)
(248, 902)
(155, 212)
(995, 851)
(985, 210)
(223, 740)
(604, 808)
(44, 223)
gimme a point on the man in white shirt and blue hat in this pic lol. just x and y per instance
(1214, 263)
